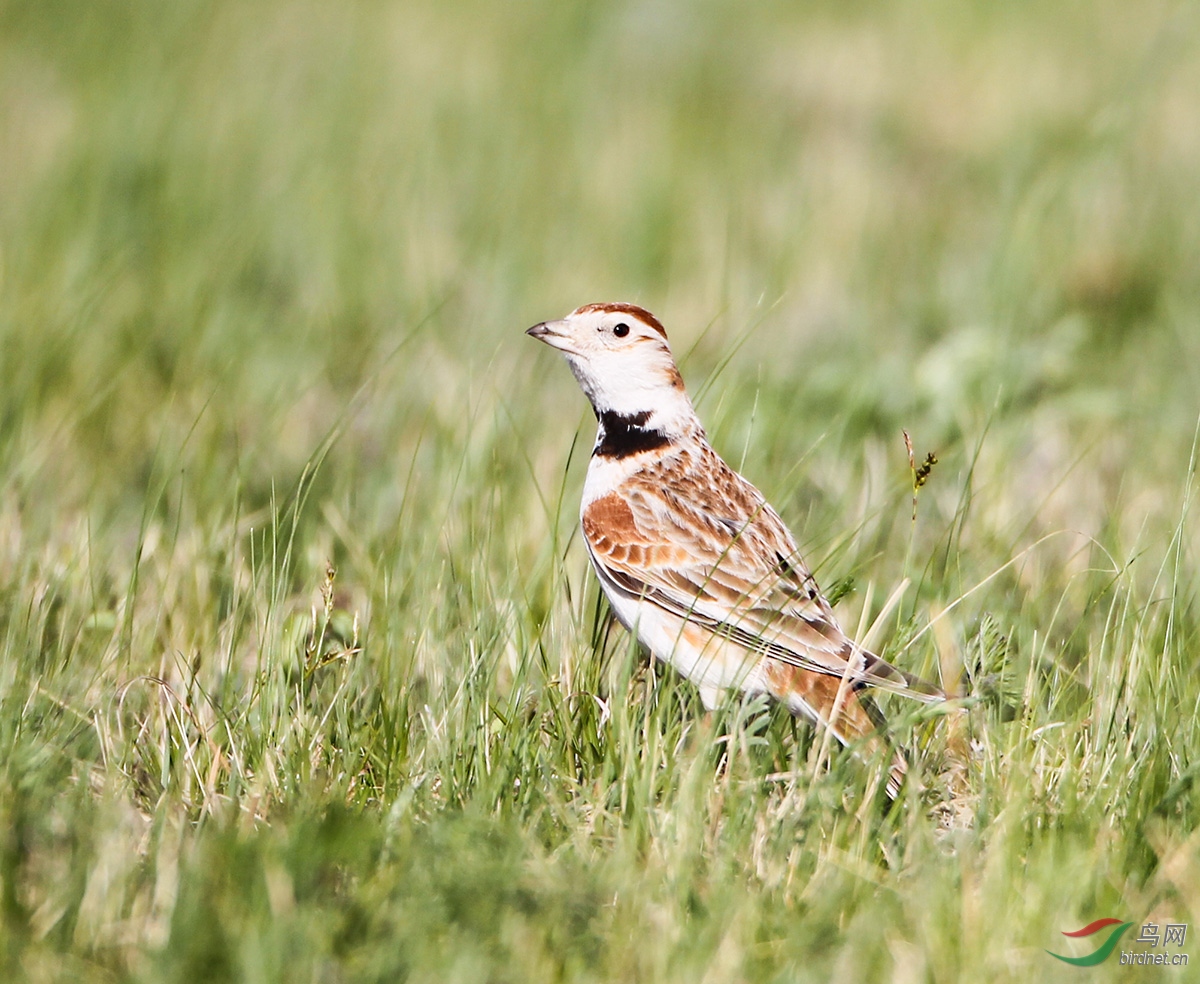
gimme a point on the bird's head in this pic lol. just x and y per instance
(620, 356)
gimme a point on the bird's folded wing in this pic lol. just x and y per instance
(749, 587)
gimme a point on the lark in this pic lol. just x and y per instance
(692, 558)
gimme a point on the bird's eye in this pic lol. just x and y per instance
(621, 330)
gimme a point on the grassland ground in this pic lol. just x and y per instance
(302, 672)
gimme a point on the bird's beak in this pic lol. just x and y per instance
(551, 332)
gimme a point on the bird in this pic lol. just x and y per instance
(693, 559)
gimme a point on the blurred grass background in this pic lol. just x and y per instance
(300, 671)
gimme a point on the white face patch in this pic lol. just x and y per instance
(631, 374)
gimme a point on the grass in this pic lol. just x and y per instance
(302, 672)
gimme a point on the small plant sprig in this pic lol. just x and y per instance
(920, 473)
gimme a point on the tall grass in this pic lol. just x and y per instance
(302, 672)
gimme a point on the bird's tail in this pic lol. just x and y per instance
(853, 719)
(879, 673)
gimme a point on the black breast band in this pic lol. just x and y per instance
(625, 434)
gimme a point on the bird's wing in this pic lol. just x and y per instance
(739, 575)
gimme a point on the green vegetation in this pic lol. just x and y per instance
(302, 673)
